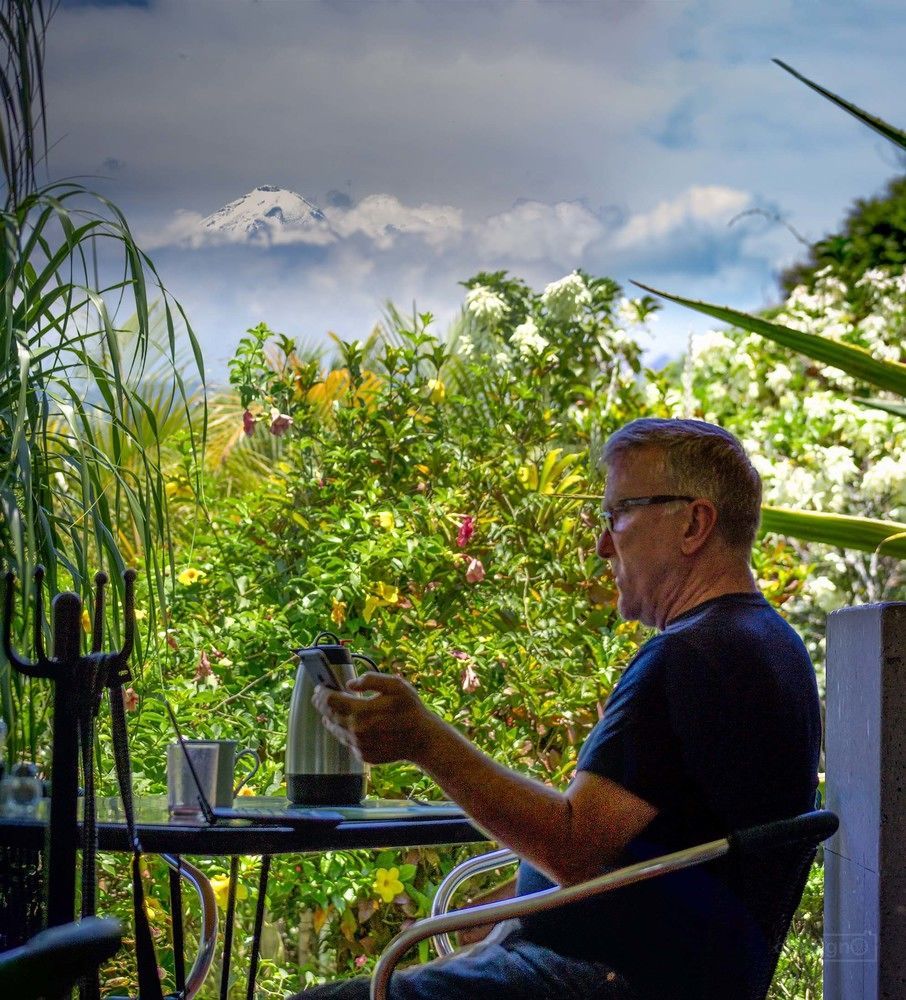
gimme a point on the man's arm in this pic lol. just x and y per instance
(570, 836)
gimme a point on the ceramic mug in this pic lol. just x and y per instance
(229, 755)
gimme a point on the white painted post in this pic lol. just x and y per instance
(865, 862)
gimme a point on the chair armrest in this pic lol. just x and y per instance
(537, 902)
(50, 963)
(207, 939)
(461, 873)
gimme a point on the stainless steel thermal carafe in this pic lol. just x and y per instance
(320, 770)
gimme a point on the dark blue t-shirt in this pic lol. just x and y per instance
(715, 722)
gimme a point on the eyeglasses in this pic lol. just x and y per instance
(610, 514)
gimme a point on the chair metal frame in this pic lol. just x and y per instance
(812, 827)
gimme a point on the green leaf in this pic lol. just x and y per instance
(895, 135)
(862, 533)
(897, 409)
(855, 361)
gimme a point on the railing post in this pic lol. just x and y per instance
(865, 862)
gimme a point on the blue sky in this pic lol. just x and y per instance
(453, 136)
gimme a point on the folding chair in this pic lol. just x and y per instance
(772, 906)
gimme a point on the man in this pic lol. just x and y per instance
(713, 726)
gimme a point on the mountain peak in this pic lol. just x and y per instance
(263, 216)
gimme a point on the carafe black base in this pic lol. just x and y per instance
(325, 789)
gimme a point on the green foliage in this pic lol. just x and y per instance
(85, 401)
(800, 969)
(873, 235)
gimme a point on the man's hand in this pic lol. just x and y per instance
(392, 724)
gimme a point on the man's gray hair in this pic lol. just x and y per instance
(702, 460)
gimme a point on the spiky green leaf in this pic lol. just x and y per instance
(895, 135)
(855, 361)
(846, 532)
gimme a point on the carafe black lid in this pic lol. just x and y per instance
(335, 652)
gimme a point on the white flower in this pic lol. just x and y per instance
(763, 465)
(652, 394)
(485, 304)
(503, 359)
(711, 342)
(818, 405)
(838, 463)
(823, 592)
(464, 346)
(886, 478)
(829, 371)
(629, 312)
(527, 339)
(792, 486)
(779, 377)
(565, 298)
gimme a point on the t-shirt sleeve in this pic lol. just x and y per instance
(633, 744)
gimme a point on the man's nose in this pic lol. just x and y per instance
(605, 545)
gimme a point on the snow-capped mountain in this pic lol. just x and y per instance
(267, 214)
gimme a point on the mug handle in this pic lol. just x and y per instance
(247, 752)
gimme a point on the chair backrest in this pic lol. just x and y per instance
(51, 963)
(772, 893)
(771, 878)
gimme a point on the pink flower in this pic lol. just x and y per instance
(469, 679)
(475, 571)
(459, 654)
(360, 960)
(130, 699)
(280, 423)
(466, 530)
(248, 423)
(204, 667)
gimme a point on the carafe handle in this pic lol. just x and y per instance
(367, 659)
(330, 635)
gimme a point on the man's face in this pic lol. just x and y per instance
(642, 548)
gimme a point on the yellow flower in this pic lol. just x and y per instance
(86, 620)
(245, 790)
(338, 612)
(153, 909)
(221, 886)
(385, 594)
(384, 519)
(387, 883)
(189, 576)
(435, 390)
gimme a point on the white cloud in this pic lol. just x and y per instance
(533, 231)
(697, 206)
(382, 217)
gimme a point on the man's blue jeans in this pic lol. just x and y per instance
(504, 966)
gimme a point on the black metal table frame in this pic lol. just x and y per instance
(237, 838)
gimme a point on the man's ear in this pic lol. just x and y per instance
(701, 522)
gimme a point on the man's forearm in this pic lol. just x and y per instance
(520, 812)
